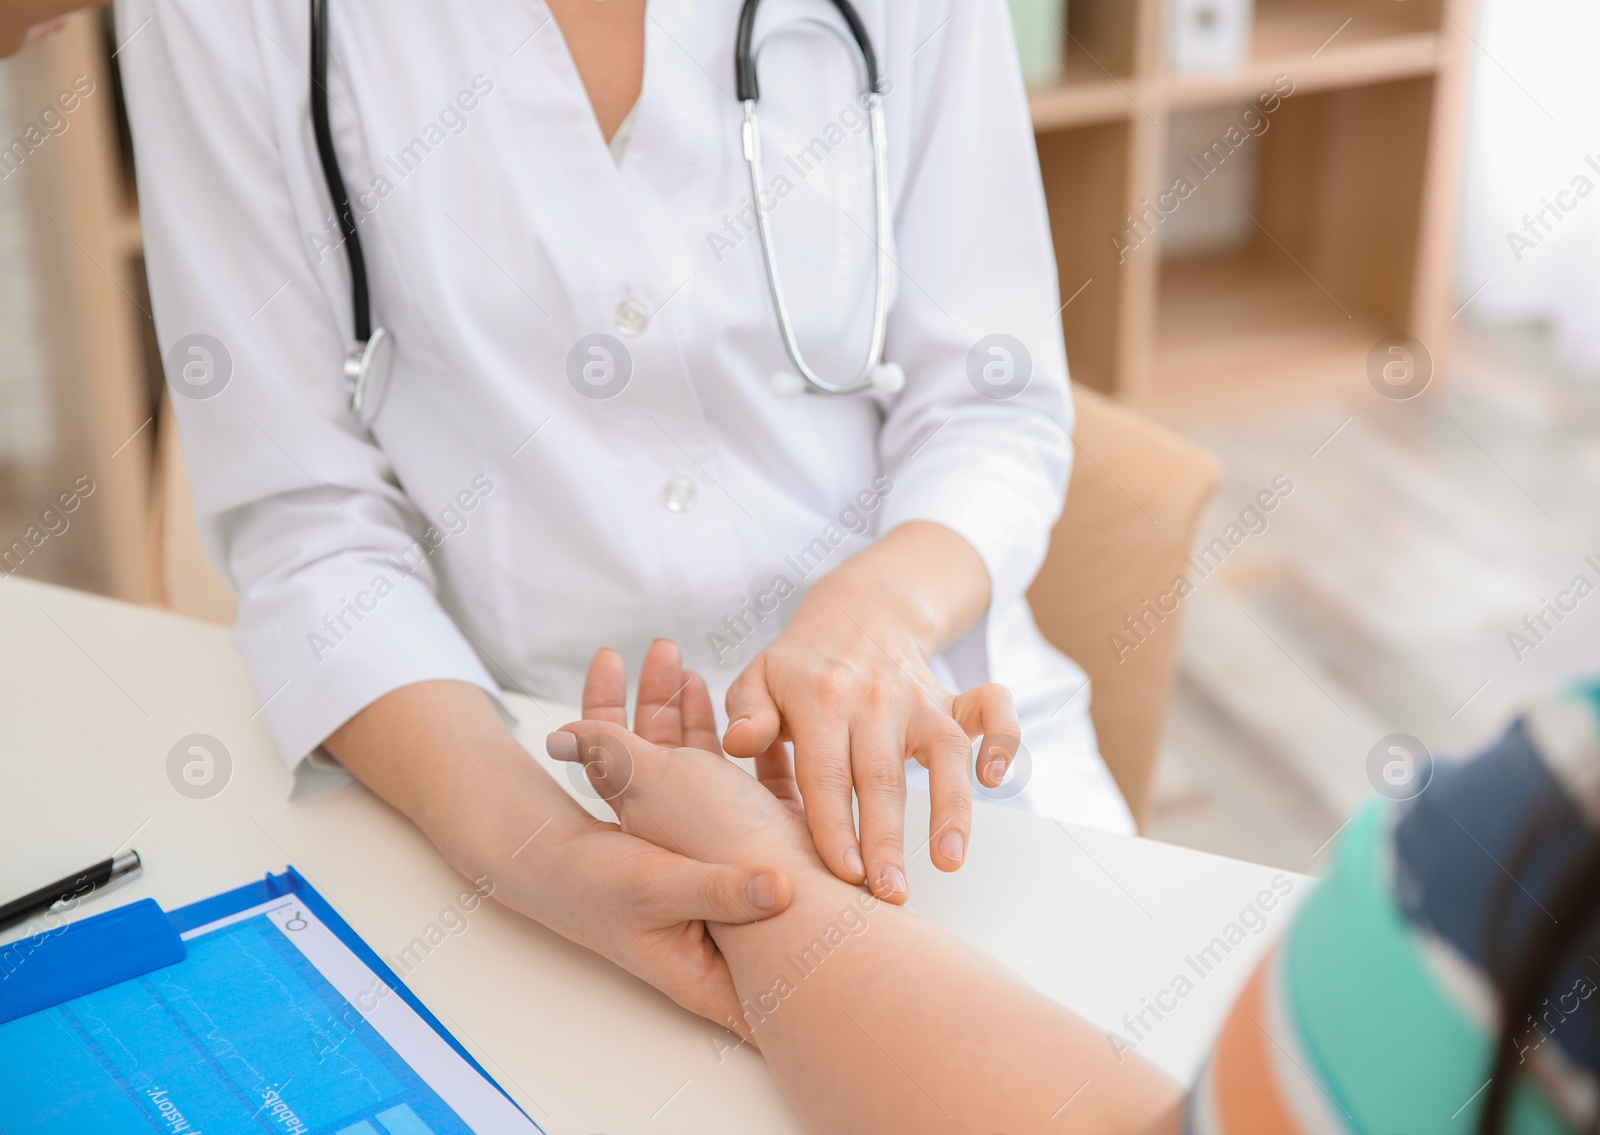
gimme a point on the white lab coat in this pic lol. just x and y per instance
(499, 522)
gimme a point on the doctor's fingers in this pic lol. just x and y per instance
(939, 743)
(877, 762)
(662, 684)
(753, 719)
(605, 688)
(822, 770)
(989, 710)
(687, 890)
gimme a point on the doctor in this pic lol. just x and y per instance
(582, 439)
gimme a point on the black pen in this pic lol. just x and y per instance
(72, 887)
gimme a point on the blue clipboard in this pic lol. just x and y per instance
(132, 967)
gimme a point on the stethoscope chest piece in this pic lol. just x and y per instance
(886, 378)
(368, 369)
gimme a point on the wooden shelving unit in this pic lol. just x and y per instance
(1354, 201)
(1354, 187)
(98, 330)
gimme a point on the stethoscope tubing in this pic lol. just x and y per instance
(747, 78)
(360, 300)
(367, 367)
(865, 377)
(748, 83)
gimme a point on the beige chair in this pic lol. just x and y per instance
(1137, 491)
(185, 581)
(1136, 494)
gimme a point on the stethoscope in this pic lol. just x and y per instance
(369, 366)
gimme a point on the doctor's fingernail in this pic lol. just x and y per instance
(852, 862)
(562, 746)
(762, 891)
(732, 725)
(891, 881)
(997, 764)
(953, 845)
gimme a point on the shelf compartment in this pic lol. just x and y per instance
(1314, 28)
(1081, 103)
(1328, 264)
(1100, 51)
(1356, 64)
(1233, 328)
(1086, 187)
(1322, 44)
(1341, 191)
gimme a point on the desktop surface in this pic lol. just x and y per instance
(1149, 942)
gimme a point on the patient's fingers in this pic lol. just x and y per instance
(775, 770)
(699, 720)
(990, 711)
(617, 762)
(605, 688)
(659, 716)
(605, 757)
(627, 772)
(715, 892)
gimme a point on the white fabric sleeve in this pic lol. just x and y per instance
(296, 504)
(977, 280)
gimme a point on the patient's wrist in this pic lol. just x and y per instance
(782, 959)
(820, 898)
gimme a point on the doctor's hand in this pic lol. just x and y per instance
(848, 682)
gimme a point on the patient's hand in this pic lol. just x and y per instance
(668, 781)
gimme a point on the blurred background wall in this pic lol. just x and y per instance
(1344, 244)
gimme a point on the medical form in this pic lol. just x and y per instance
(271, 1025)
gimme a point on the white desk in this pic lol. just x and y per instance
(93, 695)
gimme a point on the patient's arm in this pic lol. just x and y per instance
(872, 1018)
(901, 1028)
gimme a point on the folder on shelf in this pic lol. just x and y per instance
(255, 1010)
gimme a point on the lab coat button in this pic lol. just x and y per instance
(678, 493)
(632, 317)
